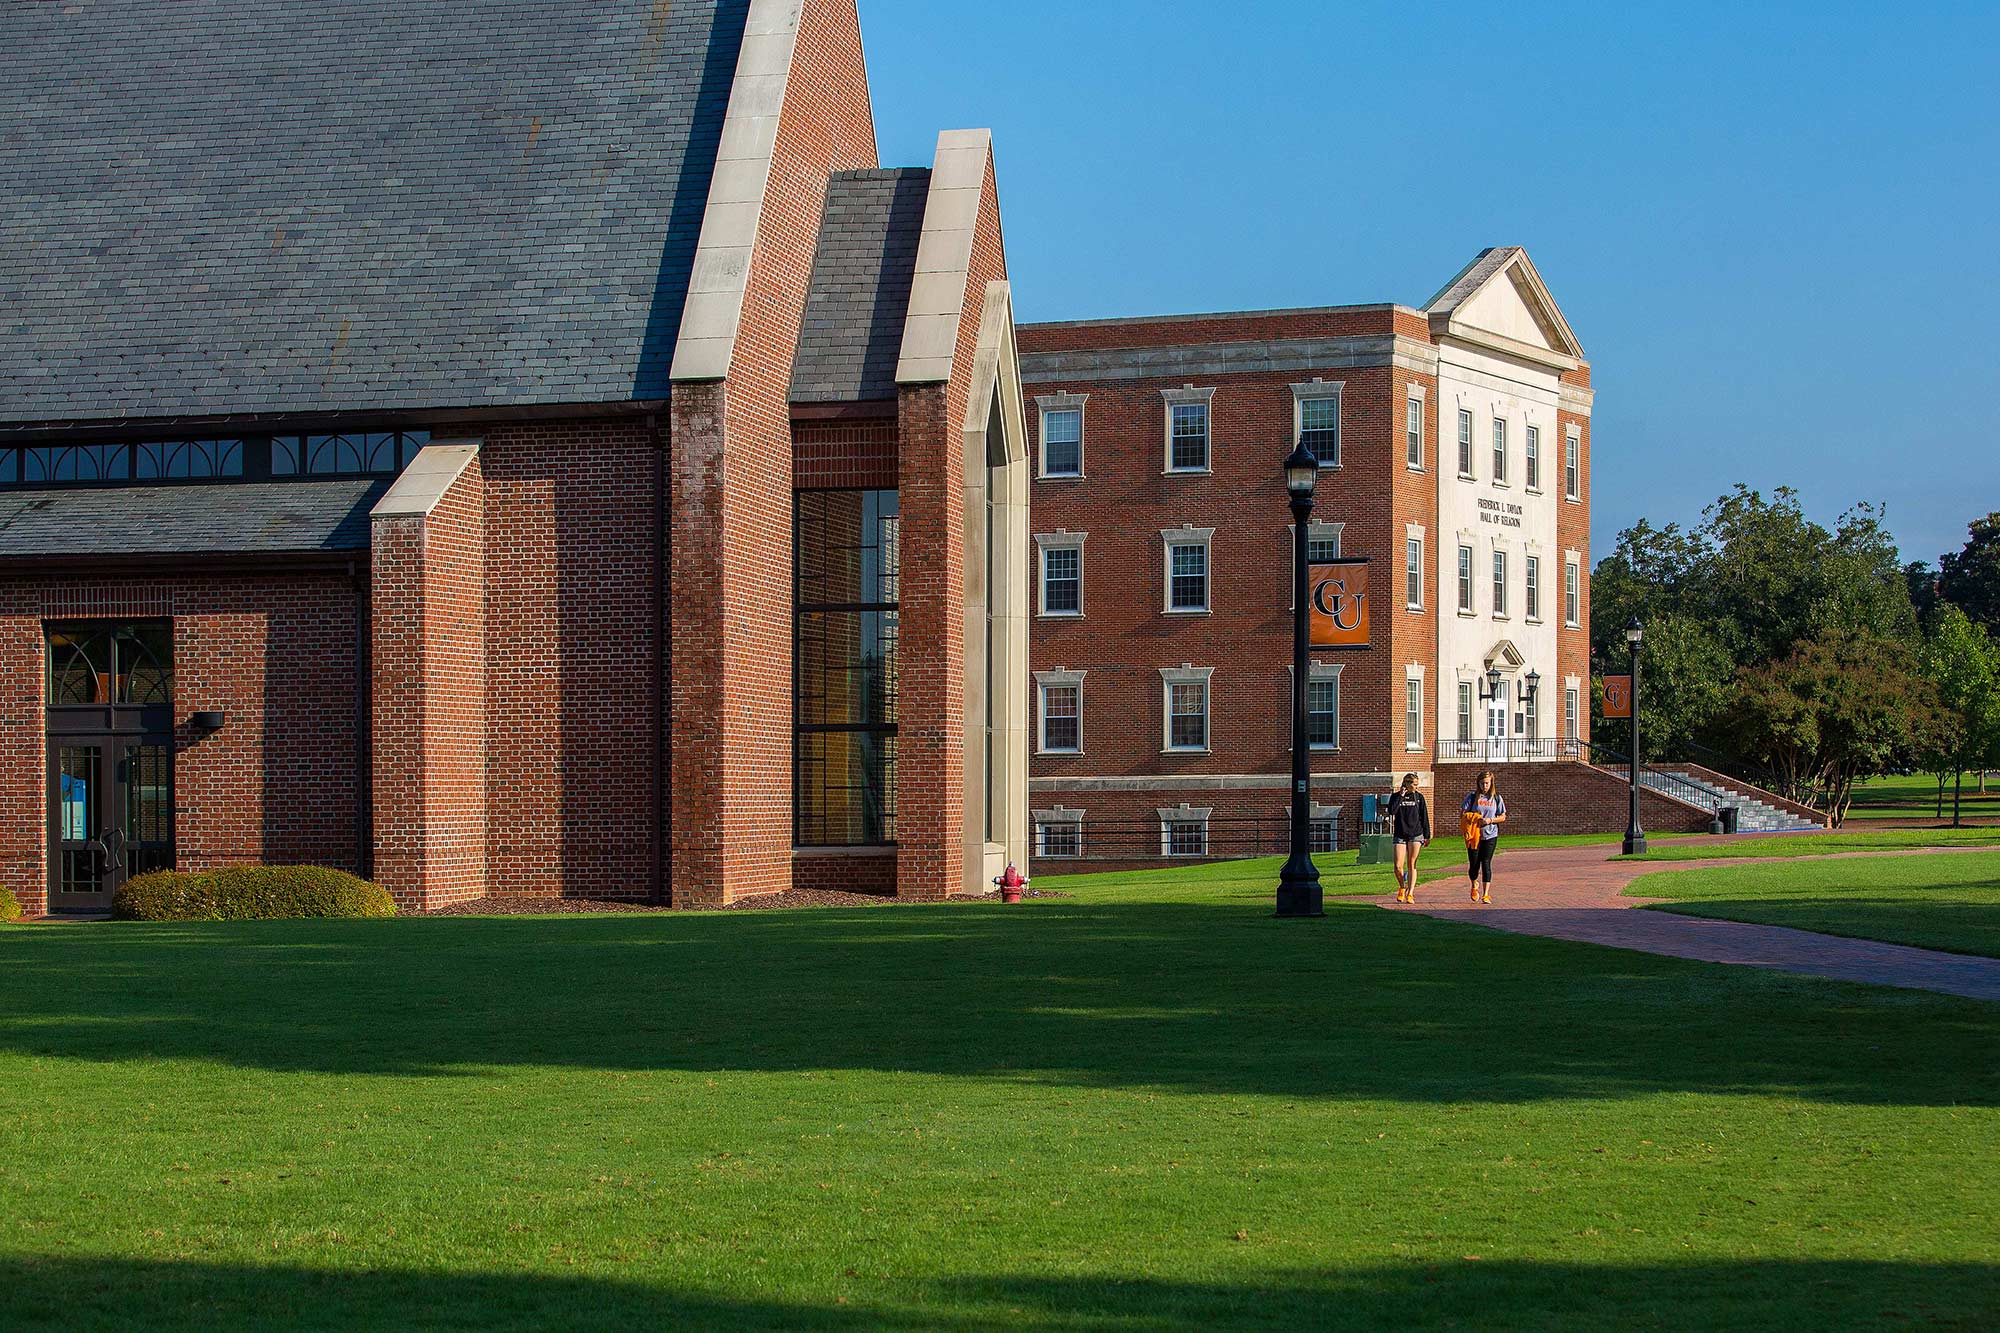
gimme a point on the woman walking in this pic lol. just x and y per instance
(1485, 811)
(1410, 822)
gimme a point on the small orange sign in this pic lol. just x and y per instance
(1617, 696)
(1339, 604)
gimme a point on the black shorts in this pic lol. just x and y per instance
(1479, 860)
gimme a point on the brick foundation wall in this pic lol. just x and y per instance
(1560, 798)
(869, 871)
(274, 651)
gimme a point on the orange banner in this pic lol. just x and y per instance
(1617, 696)
(1340, 604)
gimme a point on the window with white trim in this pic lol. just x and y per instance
(1062, 580)
(1499, 583)
(1187, 569)
(1532, 448)
(1571, 699)
(1572, 468)
(1529, 700)
(1062, 442)
(1059, 839)
(1319, 428)
(1185, 700)
(1533, 606)
(1184, 831)
(1062, 712)
(1413, 573)
(1465, 442)
(1188, 429)
(1413, 432)
(1413, 713)
(1465, 580)
(1572, 599)
(1323, 834)
(1323, 709)
(1323, 542)
(1465, 710)
(1499, 451)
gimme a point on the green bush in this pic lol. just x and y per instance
(10, 906)
(249, 893)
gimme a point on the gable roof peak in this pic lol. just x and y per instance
(1486, 270)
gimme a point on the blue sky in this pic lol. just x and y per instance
(1776, 228)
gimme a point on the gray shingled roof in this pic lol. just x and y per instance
(860, 296)
(229, 206)
(252, 517)
(1470, 278)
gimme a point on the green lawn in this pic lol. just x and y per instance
(1149, 1106)
(1820, 844)
(1915, 797)
(1936, 902)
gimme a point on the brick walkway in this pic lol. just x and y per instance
(1576, 893)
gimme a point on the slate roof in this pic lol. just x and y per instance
(233, 206)
(268, 517)
(1470, 278)
(860, 295)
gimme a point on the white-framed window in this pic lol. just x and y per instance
(1531, 448)
(1187, 569)
(1572, 467)
(1413, 431)
(1062, 573)
(1184, 831)
(1533, 606)
(1572, 594)
(1059, 832)
(1188, 429)
(1530, 705)
(1061, 711)
(1572, 697)
(1465, 710)
(1062, 434)
(1324, 835)
(1184, 699)
(1499, 583)
(1465, 580)
(1323, 706)
(1413, 573)
(1316, 420)
(1323, 542)
(1413, 712)
(1465, 442)
(1499, 451)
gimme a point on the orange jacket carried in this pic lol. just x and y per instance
(1471, 822)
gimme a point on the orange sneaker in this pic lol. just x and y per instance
(1487, 897)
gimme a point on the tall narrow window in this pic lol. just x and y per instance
(1319, 429)
(1188, 443)
(846, 575)
(1499, 583)
(1534, 603)
(1500, 450)
(1465, 710)
(1570, 701)
(1323, 713)
(1187, 715)
(1062, 718)
(1572, 609)
(1413, 573)
(1572, 469)
(1413, 713)
(1532, 448)
(1187, 576)
(1413, 432)
(1465, 580)
(1062, 580)
(1062, 443)
(1464, 442)
(1528, 708)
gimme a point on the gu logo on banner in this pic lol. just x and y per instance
(1617, 696)
(1339, 604)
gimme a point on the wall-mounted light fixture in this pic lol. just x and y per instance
(208, 721)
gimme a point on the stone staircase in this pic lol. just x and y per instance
(1753, 814)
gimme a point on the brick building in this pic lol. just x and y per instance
(1455, 449)
(519, 447)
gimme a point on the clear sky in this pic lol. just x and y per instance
(1776, 228)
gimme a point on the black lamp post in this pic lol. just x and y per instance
(1534, 689)
(1298, 884)
(1635, 837)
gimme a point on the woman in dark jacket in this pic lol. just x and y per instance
(1410, 823)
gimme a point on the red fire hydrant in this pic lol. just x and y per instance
(1011, 883)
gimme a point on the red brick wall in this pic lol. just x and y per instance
(845, 872)
(1573, 534)
(1560, 798)
(1196, 330)
(841, 455)
(273, 651)
(732, 478)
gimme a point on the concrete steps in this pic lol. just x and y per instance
(1753, 815)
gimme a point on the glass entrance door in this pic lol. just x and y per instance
(80, 871)
(1496, 721)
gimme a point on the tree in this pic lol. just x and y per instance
(1970, 578)
(1962, 663)
(1686, 683)
(1839, 708)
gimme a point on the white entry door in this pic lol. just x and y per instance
(1496, 721)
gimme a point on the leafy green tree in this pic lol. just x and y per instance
(1970, 577)
(1962, 663)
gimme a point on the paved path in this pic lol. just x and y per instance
(1576, 893)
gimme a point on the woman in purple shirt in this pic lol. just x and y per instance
(1489, 809)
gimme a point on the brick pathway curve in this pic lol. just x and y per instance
(1576, 893)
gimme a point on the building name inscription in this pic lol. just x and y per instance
(1506, 515)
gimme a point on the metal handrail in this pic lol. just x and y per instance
(1683, 790)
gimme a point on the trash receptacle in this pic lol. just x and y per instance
(1728, 813)
(1374, 846)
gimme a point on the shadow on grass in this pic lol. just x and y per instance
(74, 1293)
(1184, 996)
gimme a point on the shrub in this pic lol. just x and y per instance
(10, 906)
(249, 893)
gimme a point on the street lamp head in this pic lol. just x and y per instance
(1492, 681)
(1534, 682)
(1634, 631)
(1301, 471)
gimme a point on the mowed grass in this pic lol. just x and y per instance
(1948, 901)
(1818, 844)
(1149, 1106)
(1915, 797)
